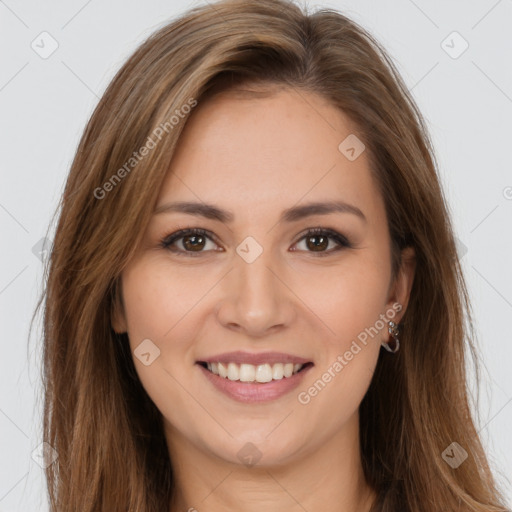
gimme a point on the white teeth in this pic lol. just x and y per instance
(264, 373)
(233, 371)
(251, 373)
(247, 373)
(277, 372)
(223, 371)
(288, 369)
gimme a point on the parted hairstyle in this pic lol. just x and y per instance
(112, 453)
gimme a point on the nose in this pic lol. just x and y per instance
(255, 297)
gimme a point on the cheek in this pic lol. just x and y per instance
(340, 386)
(162, 305)
(156, 298)
(347, 358)
(155, 311)
(354, 298)
(346, 298)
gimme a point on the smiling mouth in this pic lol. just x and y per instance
(250, 373)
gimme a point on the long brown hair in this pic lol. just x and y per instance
(108, 434)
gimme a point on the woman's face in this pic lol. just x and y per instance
(257, 286)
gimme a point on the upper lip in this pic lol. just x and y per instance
(240, 357)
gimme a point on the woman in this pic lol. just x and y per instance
(254, 300)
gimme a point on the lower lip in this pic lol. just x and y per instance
(249, 392)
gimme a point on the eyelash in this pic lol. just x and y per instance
(167, 241)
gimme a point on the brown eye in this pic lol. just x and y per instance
(188, 241)
(193, 242)
(317, 240)
(320, 242)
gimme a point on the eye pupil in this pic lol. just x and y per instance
(321, 245)
(195, 244)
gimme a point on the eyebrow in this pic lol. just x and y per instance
(292, 214)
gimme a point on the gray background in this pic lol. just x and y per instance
(46, 102)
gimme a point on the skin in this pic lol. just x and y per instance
(282, 150)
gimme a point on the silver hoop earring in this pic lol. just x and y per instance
(394, 330)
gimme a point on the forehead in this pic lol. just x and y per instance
(265, 151)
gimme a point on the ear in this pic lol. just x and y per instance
(118, 317)
(400, 290)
